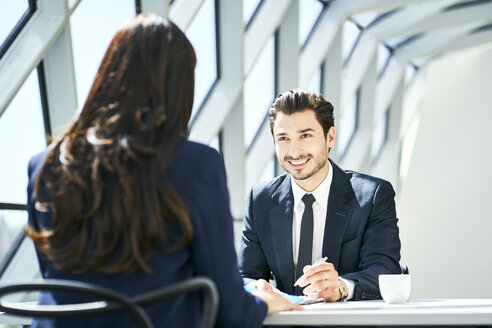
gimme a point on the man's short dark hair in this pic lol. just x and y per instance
(297, 100)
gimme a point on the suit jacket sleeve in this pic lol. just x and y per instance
(213, 252)
(252, 262)
(36, 219)
(380, 249)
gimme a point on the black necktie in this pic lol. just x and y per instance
(306, 239)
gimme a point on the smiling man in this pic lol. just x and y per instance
(317, 211)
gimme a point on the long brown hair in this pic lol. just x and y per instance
(110, 205)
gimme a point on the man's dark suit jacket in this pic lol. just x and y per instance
(360, 239)
(198, 176)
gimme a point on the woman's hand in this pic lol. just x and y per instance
(275, 301)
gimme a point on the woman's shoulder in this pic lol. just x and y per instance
(195, 153)
(36, 162)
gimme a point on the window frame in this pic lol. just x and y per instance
(14, 33)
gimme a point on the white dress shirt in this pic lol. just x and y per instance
(320, 206)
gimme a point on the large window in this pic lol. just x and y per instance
(22, 135)
(259, 91)
(315, 84)
(13, 17)
(309, 12)
(347, 125)
(351, 35)
(384, 55)
(11, 225)
(379, 135)
(269, 170)
(93, 24)
(202, 35)
(250, 8)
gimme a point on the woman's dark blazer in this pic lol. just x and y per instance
(198, 176)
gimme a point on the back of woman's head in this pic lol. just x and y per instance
(146, 79)
(110, 203)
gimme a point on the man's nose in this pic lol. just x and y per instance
(295, 149)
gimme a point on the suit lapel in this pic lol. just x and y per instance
(338, 215)
(281, 228)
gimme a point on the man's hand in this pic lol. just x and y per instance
(323, 282)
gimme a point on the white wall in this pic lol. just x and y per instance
(445, 201)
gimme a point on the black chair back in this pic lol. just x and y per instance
(111, 301)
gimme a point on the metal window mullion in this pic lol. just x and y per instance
(61, 91)
(229, 27)
(182, 12)
(160, 7)
(30, 47)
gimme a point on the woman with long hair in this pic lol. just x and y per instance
(122, 199)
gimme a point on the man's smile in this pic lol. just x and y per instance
(297, 164)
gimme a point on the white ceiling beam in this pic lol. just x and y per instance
(399, 22)
(469, 40)
(428, 45)
(406, 19)
(431, 43)
(382, 5)
(479, 12)
(182, 12)
(210, 120)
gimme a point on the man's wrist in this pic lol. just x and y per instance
(344, 291)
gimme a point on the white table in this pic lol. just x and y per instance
(377, 313)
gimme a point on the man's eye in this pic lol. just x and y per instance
(306, 135)
(282, 138)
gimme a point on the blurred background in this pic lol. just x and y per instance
(411, 82)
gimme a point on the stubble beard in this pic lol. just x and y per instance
(320, 163)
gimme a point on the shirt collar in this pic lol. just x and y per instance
(320, 194)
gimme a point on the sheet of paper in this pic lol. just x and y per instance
(303, 300)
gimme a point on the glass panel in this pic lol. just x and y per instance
(410, 71)
(408, 142)
(347, 125)
(22, 135)
(11, 225)
(315, 82)
(350, 36)
(201, 33)
(309, 11)
(10, 13)
(379, 135)
(259, 91)
(215, 143)
(383, 57)
(93, 24)
(269, 170)
(249, 7)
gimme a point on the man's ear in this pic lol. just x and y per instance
(330, 137)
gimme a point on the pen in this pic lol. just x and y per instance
(321, 260)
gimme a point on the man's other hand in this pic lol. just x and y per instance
(321, 281)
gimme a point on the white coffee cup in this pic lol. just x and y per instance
(395, 288)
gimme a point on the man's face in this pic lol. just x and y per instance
(302, 147)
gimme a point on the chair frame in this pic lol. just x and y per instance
(111, 301)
